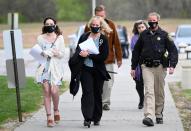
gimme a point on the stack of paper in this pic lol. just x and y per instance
(90, 46)
(36, 51)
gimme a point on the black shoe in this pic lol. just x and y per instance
(106, 107)
(96, 123)
(140, 106)
(159, 120)
(148, 121)
(87, 123)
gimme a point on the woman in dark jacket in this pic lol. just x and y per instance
(93, 72)
(139, 26)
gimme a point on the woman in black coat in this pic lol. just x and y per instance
(93, 72)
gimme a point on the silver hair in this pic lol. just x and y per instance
(154, 14)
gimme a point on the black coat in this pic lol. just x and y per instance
(75, 65)
(153, 46)
(76, 62)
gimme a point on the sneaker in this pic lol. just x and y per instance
(159, 120)
(148, 121)
(106, 107)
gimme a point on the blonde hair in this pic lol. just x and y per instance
(104, 26)
(154, 14)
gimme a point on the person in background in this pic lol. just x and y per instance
(139, 26)
(154, 51)
(52, 43)
(93, 71)
(122, 34)
(115, 55)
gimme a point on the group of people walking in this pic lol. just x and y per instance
(152, 52)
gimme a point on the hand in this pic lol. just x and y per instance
(171, 70)
(42, 53)
(84, 53)
(55, 52)
(133, 73)
(119, 63)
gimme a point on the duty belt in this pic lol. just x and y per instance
(151, 62)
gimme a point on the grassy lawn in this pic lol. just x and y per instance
(182, 98)
(31, 99)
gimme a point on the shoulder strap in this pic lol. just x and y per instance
(54, 42)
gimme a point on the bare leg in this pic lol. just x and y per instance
(47, 98)
(55, 98)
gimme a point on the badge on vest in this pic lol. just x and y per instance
(158, 38)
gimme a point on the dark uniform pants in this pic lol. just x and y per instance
(91, 101)
(154, 81)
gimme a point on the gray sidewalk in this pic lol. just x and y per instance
(123, 116)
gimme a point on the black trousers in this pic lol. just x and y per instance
(91, 101)
(140, 89)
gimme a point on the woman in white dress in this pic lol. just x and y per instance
(52, 43)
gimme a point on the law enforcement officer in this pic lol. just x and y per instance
(155, 51)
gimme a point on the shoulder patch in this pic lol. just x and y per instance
(169, 37)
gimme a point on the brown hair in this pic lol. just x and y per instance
(136, 24)
(99, 8)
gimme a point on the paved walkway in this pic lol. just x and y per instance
(123, 116)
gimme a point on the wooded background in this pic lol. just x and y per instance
(80, 10)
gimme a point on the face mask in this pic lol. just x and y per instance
(49, 29)
(153, 25)
(95, 29)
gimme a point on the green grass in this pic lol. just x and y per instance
(187, 93)
(31, 99)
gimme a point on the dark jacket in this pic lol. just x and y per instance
(76, 62)
(75, 65)
(115, 51)
(154, 46)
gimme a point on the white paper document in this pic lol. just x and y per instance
(36, 51)
(90, 46)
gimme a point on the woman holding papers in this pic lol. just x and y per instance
(52, 43)
(93, 71)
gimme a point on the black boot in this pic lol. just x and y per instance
(96, 123)
(87, 123)
(140, 106)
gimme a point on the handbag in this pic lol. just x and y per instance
(39, 71)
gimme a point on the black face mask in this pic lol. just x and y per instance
(153, 25)
(49, 29)
(95, 29)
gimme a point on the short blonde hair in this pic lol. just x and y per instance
(154, 14)
(104, 26)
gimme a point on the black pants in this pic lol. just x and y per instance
(91, 101)
(140, 89)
